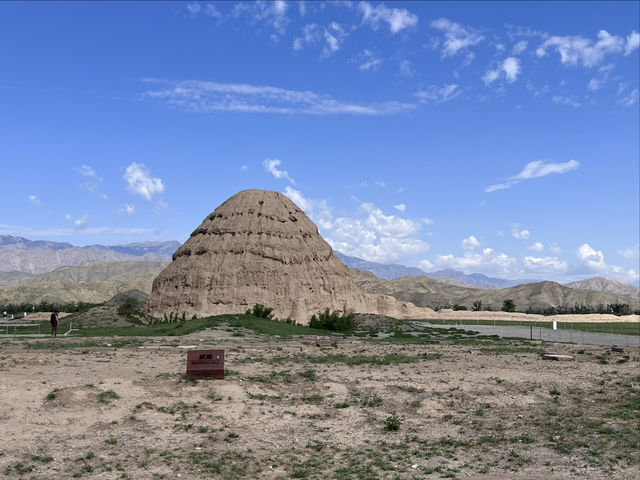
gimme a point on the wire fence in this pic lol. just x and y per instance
(549, 335)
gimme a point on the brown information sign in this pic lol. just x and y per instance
(205, 363)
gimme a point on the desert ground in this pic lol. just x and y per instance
(452, 407)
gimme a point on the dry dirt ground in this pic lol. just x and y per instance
(290, 409)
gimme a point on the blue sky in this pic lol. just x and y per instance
(499, 138)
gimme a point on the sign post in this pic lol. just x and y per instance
(205, 363)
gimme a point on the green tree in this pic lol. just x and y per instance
(477, 306)
(508, 305)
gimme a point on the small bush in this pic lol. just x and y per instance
(393, 422)
(334, 321)
(261, 311)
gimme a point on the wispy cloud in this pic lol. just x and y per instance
(270, 14)
(535, 169)
(401, 207)
(633, 43)
(271, 166)
(141, 182)
(82, 222)
(570, 101)
(92, 184)
(34, 199)
(368, 60)
(629, 99)
(397, 19)
(68, 232)
(631, 252)
(519, 233)
(576, 50)
(510, 68)
(456, 36)
(435, 94)
(209, 97)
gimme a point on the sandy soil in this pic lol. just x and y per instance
(479, 411)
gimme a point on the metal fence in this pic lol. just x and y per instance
(549, 335)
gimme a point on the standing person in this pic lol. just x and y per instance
(54, 324)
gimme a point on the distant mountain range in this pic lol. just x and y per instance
(18, 254)
(452, 277)
(428, 292)
(478, 280)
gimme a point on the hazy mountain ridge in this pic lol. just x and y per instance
(478, 279)
(22, 255)
(603, 284)
(88, 272)
(448, 275)
(427, 292)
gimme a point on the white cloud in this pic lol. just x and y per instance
(333, 37)
(87, 171)
(633, 43)
(94, 180)
(244, 168)
(406, 70)
(593, 260)
(82, 222)
(519, 47)
(457, 37)
(397, 19)
(520, 234)
(316, 210)
(571, 101)
(544, 264)
(535, 169)
(488, 261)
(210, 97)
(311, 34)
(380, 183)
(271, 166)
(631, 252)
(400, 207)
(594, 84)
(377, 237)
(554, 248)
(272, 14)
(510, 68)
(538, 91)
(435, 94)
(538, 168)
(425, 265)
(537, 247)
(630, 99)
(67, 216)
(129, 210)
(470, 243)
(368, 60)
(574, 50)
(211, 11)
(67, 232)
(140, 182)
(34, 200)
(193, 8)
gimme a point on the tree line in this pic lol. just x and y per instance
(509, 305)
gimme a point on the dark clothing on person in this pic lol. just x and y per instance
(54, 320)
